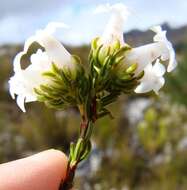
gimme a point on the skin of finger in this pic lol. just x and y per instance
(42, 171)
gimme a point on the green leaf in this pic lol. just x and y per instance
(55, 69)
(132, 68)
(94, 43)
(78, 149)
(87, 151)
(140, 75)
(97, 69)
(72, 149)
(105, 112)
(76, 58)
(49, 74)
(121, 51)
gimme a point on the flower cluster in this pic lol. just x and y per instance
(58, 78)
(148, 58)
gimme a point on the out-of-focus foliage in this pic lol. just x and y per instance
(161, 126)
(177, 82)
(148, 153)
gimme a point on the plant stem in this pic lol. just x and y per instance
(82, 147)
(67, 184)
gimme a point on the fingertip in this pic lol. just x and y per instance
(58, 159)
(41, 171)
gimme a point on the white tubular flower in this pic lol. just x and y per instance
(161, 48)
(114, 28)
(24, 81)
(153, 78)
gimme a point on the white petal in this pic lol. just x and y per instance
(151, 79)
(23, 83)
(160, 34)
(119, 8)
(11, 89)
(40, 61)
(153, 83)
(20, 101)
(114, 28)
(159, 69)
(54, 49)
(144, 87)
(156, 29)
(144, 55)
(168, 53)
(172, 65)
(159, 37)
(172, 61)
(44, 37)
(158, 84)
(146, 81)
(30, 99)
(17, 59)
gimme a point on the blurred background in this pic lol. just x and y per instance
(145, 145)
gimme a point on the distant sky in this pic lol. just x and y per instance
(21, 18)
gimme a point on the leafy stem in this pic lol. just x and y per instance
(82, 148)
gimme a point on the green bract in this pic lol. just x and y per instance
(110, 76)
(66, 86)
